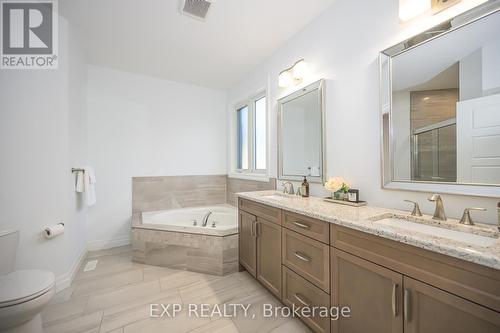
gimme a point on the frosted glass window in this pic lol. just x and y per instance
(260, 134)
(242, 133)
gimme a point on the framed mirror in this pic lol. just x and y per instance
(440, 107)
(301, 139)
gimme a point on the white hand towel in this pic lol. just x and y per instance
(80, 186)
(89, 184)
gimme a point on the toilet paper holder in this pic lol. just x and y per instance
(53, 231)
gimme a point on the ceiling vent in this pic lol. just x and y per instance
(196, 8)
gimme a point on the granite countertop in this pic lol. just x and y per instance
(364, 219)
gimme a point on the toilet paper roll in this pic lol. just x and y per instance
(54, 230)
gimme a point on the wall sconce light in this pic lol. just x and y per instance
(409, 9)
(285, 79)
(293, 75)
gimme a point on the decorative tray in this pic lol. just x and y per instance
(345, 202)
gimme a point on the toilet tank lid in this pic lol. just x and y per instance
(24, 285)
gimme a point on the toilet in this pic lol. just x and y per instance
(23, 293)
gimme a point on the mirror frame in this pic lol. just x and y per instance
(320, 86)
(385, 67)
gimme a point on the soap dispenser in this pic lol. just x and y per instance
(305, 188)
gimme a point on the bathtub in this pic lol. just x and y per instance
(222, 222)
(169, 238)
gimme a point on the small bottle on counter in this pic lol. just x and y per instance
(305, 188)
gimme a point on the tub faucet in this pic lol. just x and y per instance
(205, 219)
(439, 212)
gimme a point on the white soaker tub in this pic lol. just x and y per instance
(182, 220)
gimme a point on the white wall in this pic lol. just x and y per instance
(342, 46)
(41, 137)
(471, 76)
(143, 126)
(491, 68)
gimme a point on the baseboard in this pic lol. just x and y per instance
(63, 281)
(108, 243)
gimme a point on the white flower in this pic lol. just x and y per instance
(335, 184)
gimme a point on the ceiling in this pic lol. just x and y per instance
(151, 37)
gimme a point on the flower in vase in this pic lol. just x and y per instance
(337, 184)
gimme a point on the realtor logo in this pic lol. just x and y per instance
(29, 34)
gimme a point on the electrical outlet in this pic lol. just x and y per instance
(90, 266)
(440, 5)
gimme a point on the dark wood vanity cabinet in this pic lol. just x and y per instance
(390, 287)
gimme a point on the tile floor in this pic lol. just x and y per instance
(116, 298)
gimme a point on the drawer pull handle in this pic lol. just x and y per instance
(394, 305)
(301, 300)
(406, 305)
(302, 257)
(301, 225)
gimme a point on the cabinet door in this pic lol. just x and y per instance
(431, 310)
(372, 292)
(269, 255)
(247, 242)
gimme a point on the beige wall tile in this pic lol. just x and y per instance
(235, 185)
(158, 193)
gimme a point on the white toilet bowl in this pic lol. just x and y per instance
(23, 293)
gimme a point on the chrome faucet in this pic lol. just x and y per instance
(466, 219)
(285, 188)
(439, 213)
(205, 219)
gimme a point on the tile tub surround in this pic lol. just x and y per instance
(169, 192)
(217, 255)
(235, 185)
(359, 218)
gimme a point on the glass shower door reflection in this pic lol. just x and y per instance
(434, 154)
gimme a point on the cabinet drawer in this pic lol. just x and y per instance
(266, 212)
(299, 291)
(307, 257)
(304, 225)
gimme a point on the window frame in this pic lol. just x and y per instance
(252, 171)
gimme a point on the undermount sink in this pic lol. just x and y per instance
(421, 227)
(276, 196)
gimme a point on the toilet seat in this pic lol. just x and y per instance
(24, 285)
